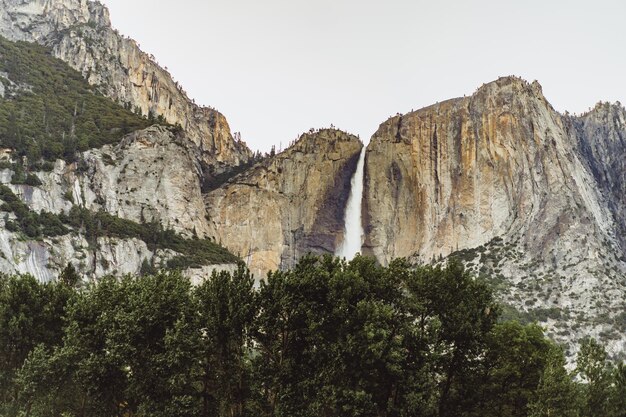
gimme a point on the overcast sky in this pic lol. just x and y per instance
(276, 68)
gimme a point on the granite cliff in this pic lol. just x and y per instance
(152, 176)
(149, 177)
(601, 139)
(289, 205)
(530, 199)
(519, 192)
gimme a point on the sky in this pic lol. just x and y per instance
(276, 68)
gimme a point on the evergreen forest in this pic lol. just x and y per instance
(49, 111)
(326, 338)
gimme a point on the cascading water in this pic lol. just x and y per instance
(353, 227)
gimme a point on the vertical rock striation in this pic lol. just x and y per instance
(457, 174)
(601, 139)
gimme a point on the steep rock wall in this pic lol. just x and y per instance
(499, 178)
(289, 205)
(601, 139)
(457, 174)
(149, 176)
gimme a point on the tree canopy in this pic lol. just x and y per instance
(326, 338)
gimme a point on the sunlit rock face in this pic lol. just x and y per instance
(459, 173)
(79, 32)
(501, 176)
(289, 205)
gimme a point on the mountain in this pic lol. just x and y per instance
(79, 32)
(522, 194)
(105, 163)
(95, 169)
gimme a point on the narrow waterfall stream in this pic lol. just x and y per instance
(353, 226)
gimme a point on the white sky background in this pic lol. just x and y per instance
(276, 68)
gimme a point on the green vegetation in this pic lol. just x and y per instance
(21, 177)
(193, 252)
(50, 111)
(32, 224)
(328, 338)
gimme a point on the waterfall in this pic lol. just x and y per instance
(353, 226)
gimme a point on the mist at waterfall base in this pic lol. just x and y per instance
(353, 226)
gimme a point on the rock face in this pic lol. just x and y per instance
(601, 136)
(79, 32)
(501, 173)
(45, 259)
(149, 176)
(533, 200)
(289, 205)
(152, 175)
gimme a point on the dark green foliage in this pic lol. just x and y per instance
(194, 253)
(50, 111)
(328, 338)
(30, 314)
(557, 394)
(22, 177)
(32, 180)
(124, 351)
(213, 181)
(147, 268)
(332, 337)
(69, 276)
(457, 313)
(359, 339)
(512, 369)
(593, 368)
(618, 399)
(226, 311)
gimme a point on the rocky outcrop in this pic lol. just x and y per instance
(46, 258)
(601, 138)
(150, 176)
(499, 178)
(154, 175)
(79, 32)
(289, 205)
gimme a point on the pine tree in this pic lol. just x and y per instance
(556, 394)
(593, 369)
(69, 276)
(618, 402)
